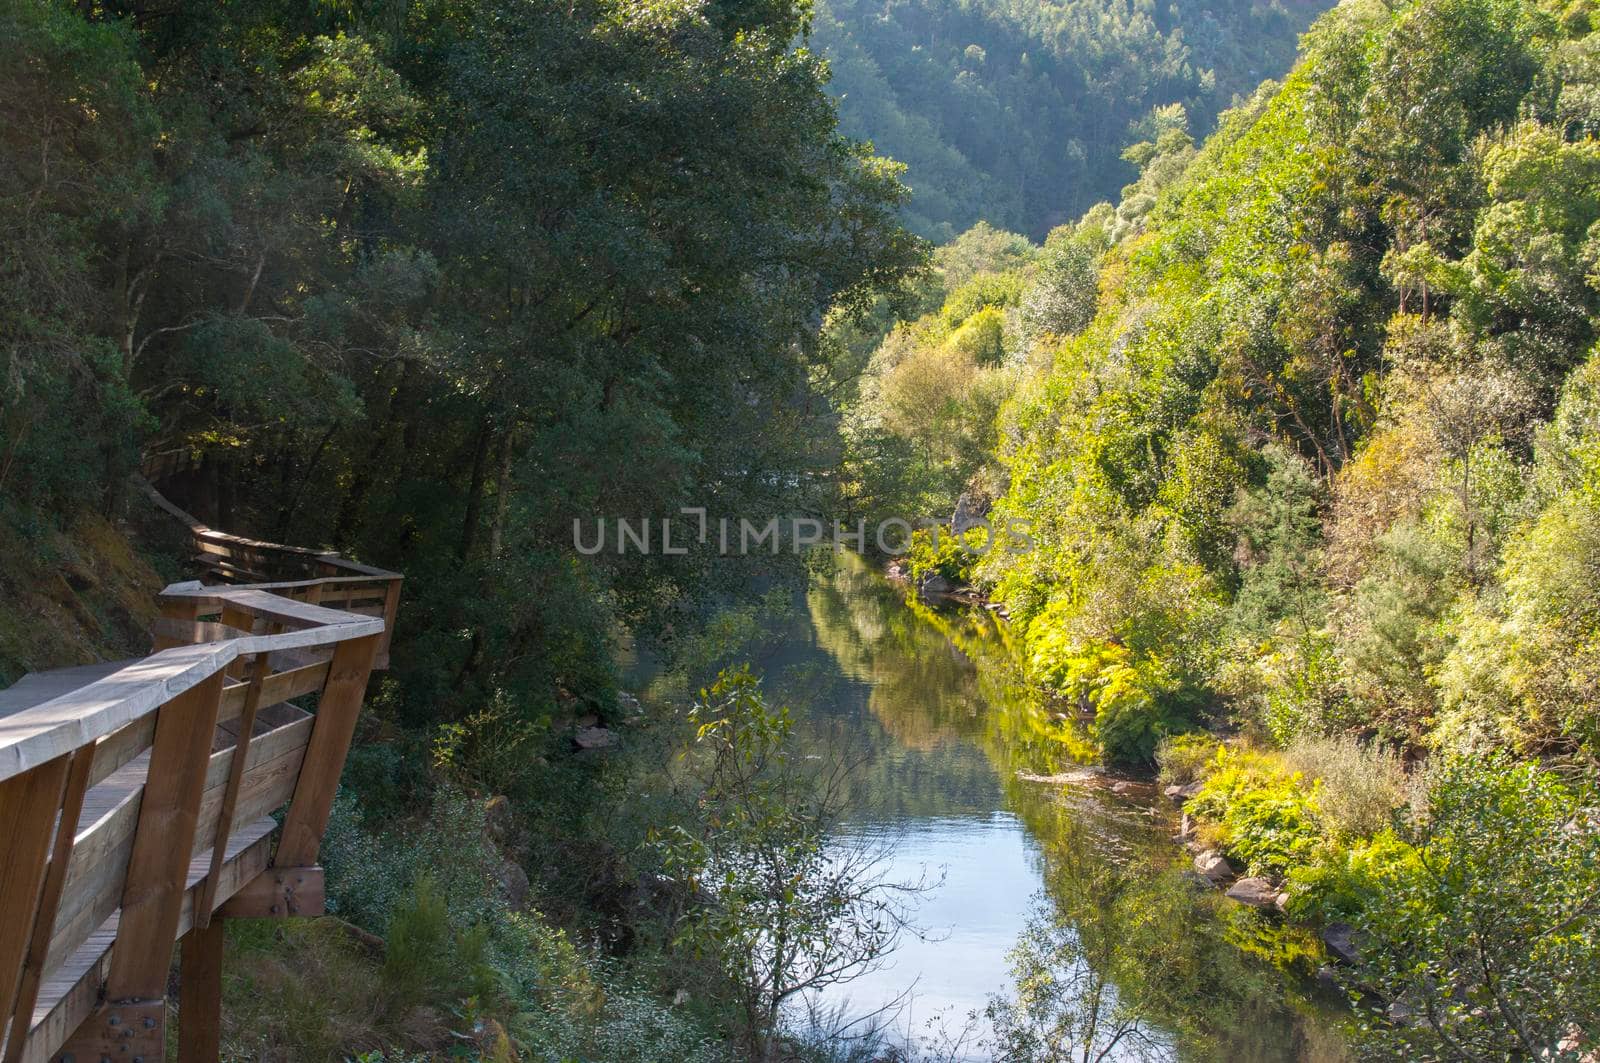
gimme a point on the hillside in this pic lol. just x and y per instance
(1016, 112)
(1304, 430)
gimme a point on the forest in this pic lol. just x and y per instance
(1017, 113)
(1287, 355)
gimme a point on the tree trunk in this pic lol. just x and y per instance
(505, 450)
(469, 524)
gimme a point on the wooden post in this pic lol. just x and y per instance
(200, 994)
(207, 897)
(158, 868)
(391, 609)
(335, 726)
(28, 806)
(179, 611)
(49, 901)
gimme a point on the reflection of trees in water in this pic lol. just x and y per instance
(923, 690)
(1128, 959)
(1125, 958)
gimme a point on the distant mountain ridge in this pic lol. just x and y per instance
(1016, 112)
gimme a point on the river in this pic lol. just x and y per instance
(971, 786)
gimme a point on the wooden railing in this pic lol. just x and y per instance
(135, 801)
(315, 576)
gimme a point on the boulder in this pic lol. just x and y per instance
(1182, 794)
(498, 820)
(935, 585)
(594, 738)
(970, 509)
(1214, 866)
(513, 883)
(1256, 892)
(1340, 941)
(1124, 787)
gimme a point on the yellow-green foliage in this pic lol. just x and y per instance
(1339, 880)
(1185, 758)
(1135, 702)
(1267, 815)
(941, 552)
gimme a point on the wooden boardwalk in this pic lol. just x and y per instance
(167, 768)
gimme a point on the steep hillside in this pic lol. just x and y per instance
(72, 595)
(1016, 112)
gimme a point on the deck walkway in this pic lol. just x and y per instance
(168, 767)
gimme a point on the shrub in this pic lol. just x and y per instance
(1185, 758)
(1136, 705)
(493, 751)
(1488, 933)
(1266, 814)
(1360, 785)
(427, 959)
(1339, 882)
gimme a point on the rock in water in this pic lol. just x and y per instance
(1214, 866)
(1256, 892)
(1181, 794)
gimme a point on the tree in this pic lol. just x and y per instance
(1484, 941)
(784, 906)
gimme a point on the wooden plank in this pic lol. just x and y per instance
(168, 630)
(168, 815)
(28, 806)
(280, 893)
(119, 747)
(105, 839)
(33, 966)
(133, 1030)
(57, 727)
(337, 711)
(36, 735)
(36, 688)
(230, 792)
(276, 688)
(71, 993)
(200, 993)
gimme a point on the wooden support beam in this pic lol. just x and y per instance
(279, 893)
(230, 791)
(28, 806)
(330, 742)
(129, 1031)
(158, 867)
(179, 614)
(391, 610)
(200, 995)
(44, 921)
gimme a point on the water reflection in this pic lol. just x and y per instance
(1067, 899)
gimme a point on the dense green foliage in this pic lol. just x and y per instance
(1304, 427)
(428, 282)
(1017, 112)
(1305, 432)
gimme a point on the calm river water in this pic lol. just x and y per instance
(968, 782)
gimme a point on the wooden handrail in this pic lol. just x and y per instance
(293, 571)
(134, 805)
